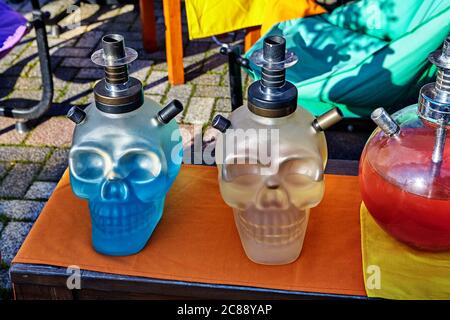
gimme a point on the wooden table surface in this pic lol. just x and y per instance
(31, 281)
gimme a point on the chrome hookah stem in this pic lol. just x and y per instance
(442, 87)
(439, 144)
(117, 76)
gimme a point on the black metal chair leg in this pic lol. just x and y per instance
(23, 126)
(235, 62)
(44, 104)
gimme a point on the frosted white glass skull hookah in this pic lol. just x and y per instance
(271, 191)
(125, 155)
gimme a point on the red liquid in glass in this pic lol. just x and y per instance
(422, 221)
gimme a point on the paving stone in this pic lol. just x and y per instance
(199, 110)
(208, 79)
(72, 52)
(59, 86)
(159, 55)
(19, 178)
(244, 76)
(131, 36)
(160, 66)
(195, 47)
(4, 167)
(22, 50)
(215, 63)
(156, 97)
(77, 93)
(65, 39)
(140, 69)
(40, 190)
(90, 39)
(193, 59)
(7, 60)
(56, 131)
(126, 17)
(157, 83)
(88, 11)
(136, 26)
(93, 25)
(23, 98)
(211, 91)
(55, 7)
(8, 82)
(35, 69)
(113, 27)
(4, 94)
(91, 73)
(23, 93)
(223, 105)
(65, 74)
(12, 238)
(69, 37)
(28, 83)
(14, 70)
(127, 8)
(109, 14)
(5, 281)
(180, 92)
(55, 165)
(8, 133)
(23, 154)
(21, 209)
(26, 69)
(77, 63)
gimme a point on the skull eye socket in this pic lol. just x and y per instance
(301, 171)
(298, 179)
(243, 174)
(88, 164)
(140, 166)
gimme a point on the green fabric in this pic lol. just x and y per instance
(364, 55)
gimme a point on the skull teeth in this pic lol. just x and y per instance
(118, 219)
(273, 228)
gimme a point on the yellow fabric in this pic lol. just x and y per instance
(404, 273)
(211, 17)
(282, 10)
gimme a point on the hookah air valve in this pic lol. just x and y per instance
(385, 122)
(117, 92)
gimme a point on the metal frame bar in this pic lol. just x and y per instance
(45, 102)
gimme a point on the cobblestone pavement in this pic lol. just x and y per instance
(32, 163)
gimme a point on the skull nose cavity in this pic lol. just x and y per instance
(272, 183)
(272, 199)
(114, 190)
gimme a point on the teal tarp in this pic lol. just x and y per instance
(364, 55)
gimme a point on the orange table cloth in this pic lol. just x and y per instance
(197, 240)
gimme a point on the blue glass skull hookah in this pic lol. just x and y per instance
(125, 155)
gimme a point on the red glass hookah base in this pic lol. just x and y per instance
(421, 222)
